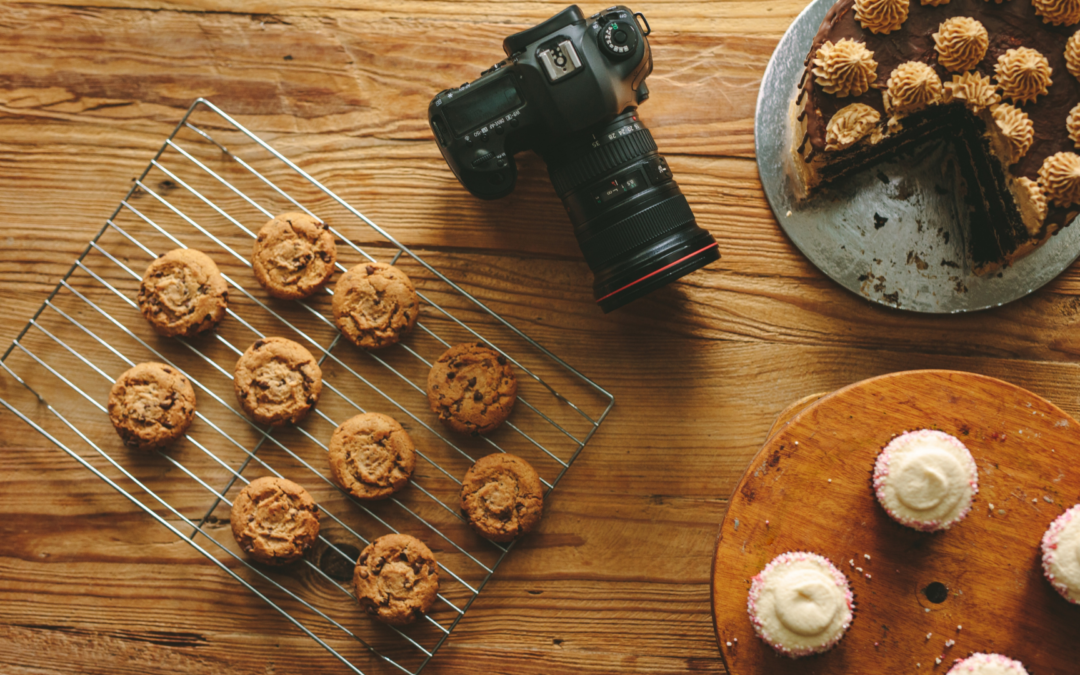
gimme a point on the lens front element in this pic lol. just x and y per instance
(634, 225)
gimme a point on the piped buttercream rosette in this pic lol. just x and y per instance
(1059, 177)
(1058, 12)
(1023, 74)
(912, 86)
(974, 90)
(1017, 129)
(846, 68)
(850, 125)
(961, 43)
(881, 16)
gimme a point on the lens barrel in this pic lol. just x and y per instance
(633, 224)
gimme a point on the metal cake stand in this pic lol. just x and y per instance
(895, 234)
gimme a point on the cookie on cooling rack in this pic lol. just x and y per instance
(277, 381)
(472, 388)
(274, 520)
(396, 579)
(375, 305)
(151, 405)
(502, 497)
(293, 256)
(182, 293)
(371, 456)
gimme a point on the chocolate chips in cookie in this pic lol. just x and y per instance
(294, 256)
(182, 293)
(274, 520)
(502, 497)
(151, 405)
(277, 381)
(472, 388)
(375, 305)
(396, 579)
(371, 456)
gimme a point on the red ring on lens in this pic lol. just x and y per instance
(654, 273)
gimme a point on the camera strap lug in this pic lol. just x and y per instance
(648, 28)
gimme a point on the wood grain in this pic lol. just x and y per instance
(808, 489)
(617, 578)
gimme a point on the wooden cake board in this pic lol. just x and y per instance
(979, 584)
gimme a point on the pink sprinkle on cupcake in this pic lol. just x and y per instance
(926, 480)
(800, 604)
(1061, 554)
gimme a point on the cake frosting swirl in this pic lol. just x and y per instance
(974, 90)
(1072, 125)
(881, 16)
(912, 86)
(1034, 200)
(961, 43)
(850, 125)
(1017, 129)
(1023, 74)
(1058, 12)
(1072, 55)
(1059, 178)
(844, 69)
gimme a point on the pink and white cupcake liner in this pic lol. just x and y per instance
(976, 664)
(881, 475)
(1050, 551)
(758, 584)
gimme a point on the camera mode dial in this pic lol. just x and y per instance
(619, 39)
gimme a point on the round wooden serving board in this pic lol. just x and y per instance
(1028, 454)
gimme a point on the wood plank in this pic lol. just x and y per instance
(616, 579)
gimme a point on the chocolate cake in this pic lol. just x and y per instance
(995, 80)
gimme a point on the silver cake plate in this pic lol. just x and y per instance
(895, 234)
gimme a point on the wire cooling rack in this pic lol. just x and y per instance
(210, 187)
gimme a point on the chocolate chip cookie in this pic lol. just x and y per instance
(371, 456)
(151, 405)
(277, 381)
(396, 579)
(472, 388)
(375, 305)
(294, 256)
(274, 520)
(182, 293)
(502, 497)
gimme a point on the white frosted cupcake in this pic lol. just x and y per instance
(988, 664)
(1061, 554)
(800, 604)
(926, 480)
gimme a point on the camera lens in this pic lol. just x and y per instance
(633, 224)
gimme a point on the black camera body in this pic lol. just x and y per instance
(568, 90)
(557, 80)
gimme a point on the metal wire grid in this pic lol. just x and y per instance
(78, 343)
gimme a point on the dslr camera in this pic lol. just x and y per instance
(569, 90)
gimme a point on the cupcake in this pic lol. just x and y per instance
(1061, 554)
(987, 664)
(800, 604)
(926, 480)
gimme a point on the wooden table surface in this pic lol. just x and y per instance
(616, 580)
